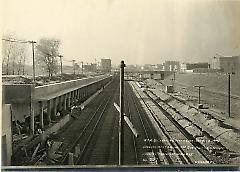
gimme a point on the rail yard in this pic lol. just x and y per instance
(170, 132)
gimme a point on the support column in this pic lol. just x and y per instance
(75, 96)
(78, 95)
(64, 102)
(54, 108)
(69, 100)
(91, 89)
(49, 111)
(72, 98)
(87, 89)
(41, 115)
(60, 103)
(83, 92)
(32, 123)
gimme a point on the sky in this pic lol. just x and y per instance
(137, 31)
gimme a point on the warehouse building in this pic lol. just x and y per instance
(226, 64)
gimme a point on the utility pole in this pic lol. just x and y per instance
(229, 95)
(61, 64)
(82, 66)
(199, 92)
(23, 70)
(121, 120)
(95, 68)
(73, 66)
(173, 79)
(33, 53)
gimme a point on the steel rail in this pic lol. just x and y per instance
(83, 131)
(145, 130)
(93, 131)
(81, 134)
(184, 158)
(181, 129)
(130, 117)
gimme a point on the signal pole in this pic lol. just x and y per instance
(199, 92)
(121, 120)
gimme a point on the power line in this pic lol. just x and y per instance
(15, 40)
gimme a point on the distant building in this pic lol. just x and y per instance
(106, 65)
(90, 67)
(191, 66)
(150, 67)
(183, 67)
(171, 66)
(226, 63)
(159, 66)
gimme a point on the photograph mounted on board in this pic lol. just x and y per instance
(107, 83)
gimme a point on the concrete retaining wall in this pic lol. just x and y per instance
(6, 135)
(17, 93)
(20, 95)
(46, 90)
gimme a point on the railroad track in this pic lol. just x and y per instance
(147, 156)
(96, 147)
(173, 152)
(80, 133)
(95, 133)
(204, 143)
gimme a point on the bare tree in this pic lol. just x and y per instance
(8, 48)
(21, 56)
(47, 53)
(13, 54)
